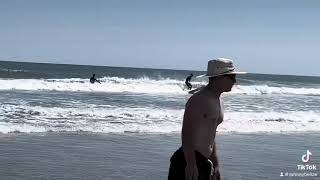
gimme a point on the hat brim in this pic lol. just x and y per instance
(234, 72)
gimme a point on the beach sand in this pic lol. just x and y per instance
(32, 156)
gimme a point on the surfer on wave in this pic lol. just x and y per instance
(188, 79)
(93, 79)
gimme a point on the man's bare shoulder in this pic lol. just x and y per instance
(194, 100)
(201, 103)
(198, 102)
(198, 98)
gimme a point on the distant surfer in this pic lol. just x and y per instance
(93, 79)
(188, 79)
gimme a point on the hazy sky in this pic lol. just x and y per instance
(274, 36)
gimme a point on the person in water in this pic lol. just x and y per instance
(188, 79)
(197, 158)
(93, 79)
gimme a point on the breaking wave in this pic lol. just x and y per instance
(141, 85)
(112, 119)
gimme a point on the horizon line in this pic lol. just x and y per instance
(318, 76)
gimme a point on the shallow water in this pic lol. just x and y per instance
(146, 156)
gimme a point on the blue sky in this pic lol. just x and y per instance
(274, 36)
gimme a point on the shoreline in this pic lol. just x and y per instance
(85, 155)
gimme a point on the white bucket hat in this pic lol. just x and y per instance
(220, 66)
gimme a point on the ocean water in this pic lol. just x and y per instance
(59, 98)
(54, 124)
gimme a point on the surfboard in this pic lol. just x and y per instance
(193, 90)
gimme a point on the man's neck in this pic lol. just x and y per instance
(213, 91)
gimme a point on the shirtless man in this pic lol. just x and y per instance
(197, 158)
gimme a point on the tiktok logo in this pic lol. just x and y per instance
(306, 157)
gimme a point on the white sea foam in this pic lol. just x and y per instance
(141, 85)
(111, 84)
(271, 121)
(104, 119)
(20, 118)
(265, 89)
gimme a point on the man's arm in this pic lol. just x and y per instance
(194, 116)
(191, 170)
(214, 158)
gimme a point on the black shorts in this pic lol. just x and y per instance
(178, 165)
